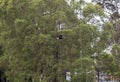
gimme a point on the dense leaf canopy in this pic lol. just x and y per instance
(31, 47)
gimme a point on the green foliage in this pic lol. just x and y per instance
(91, 9)
(108, 64)
(30, 46)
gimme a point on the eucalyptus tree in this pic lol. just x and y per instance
(29, 37)
(111, 7)
(34, 48)
(105, 16)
